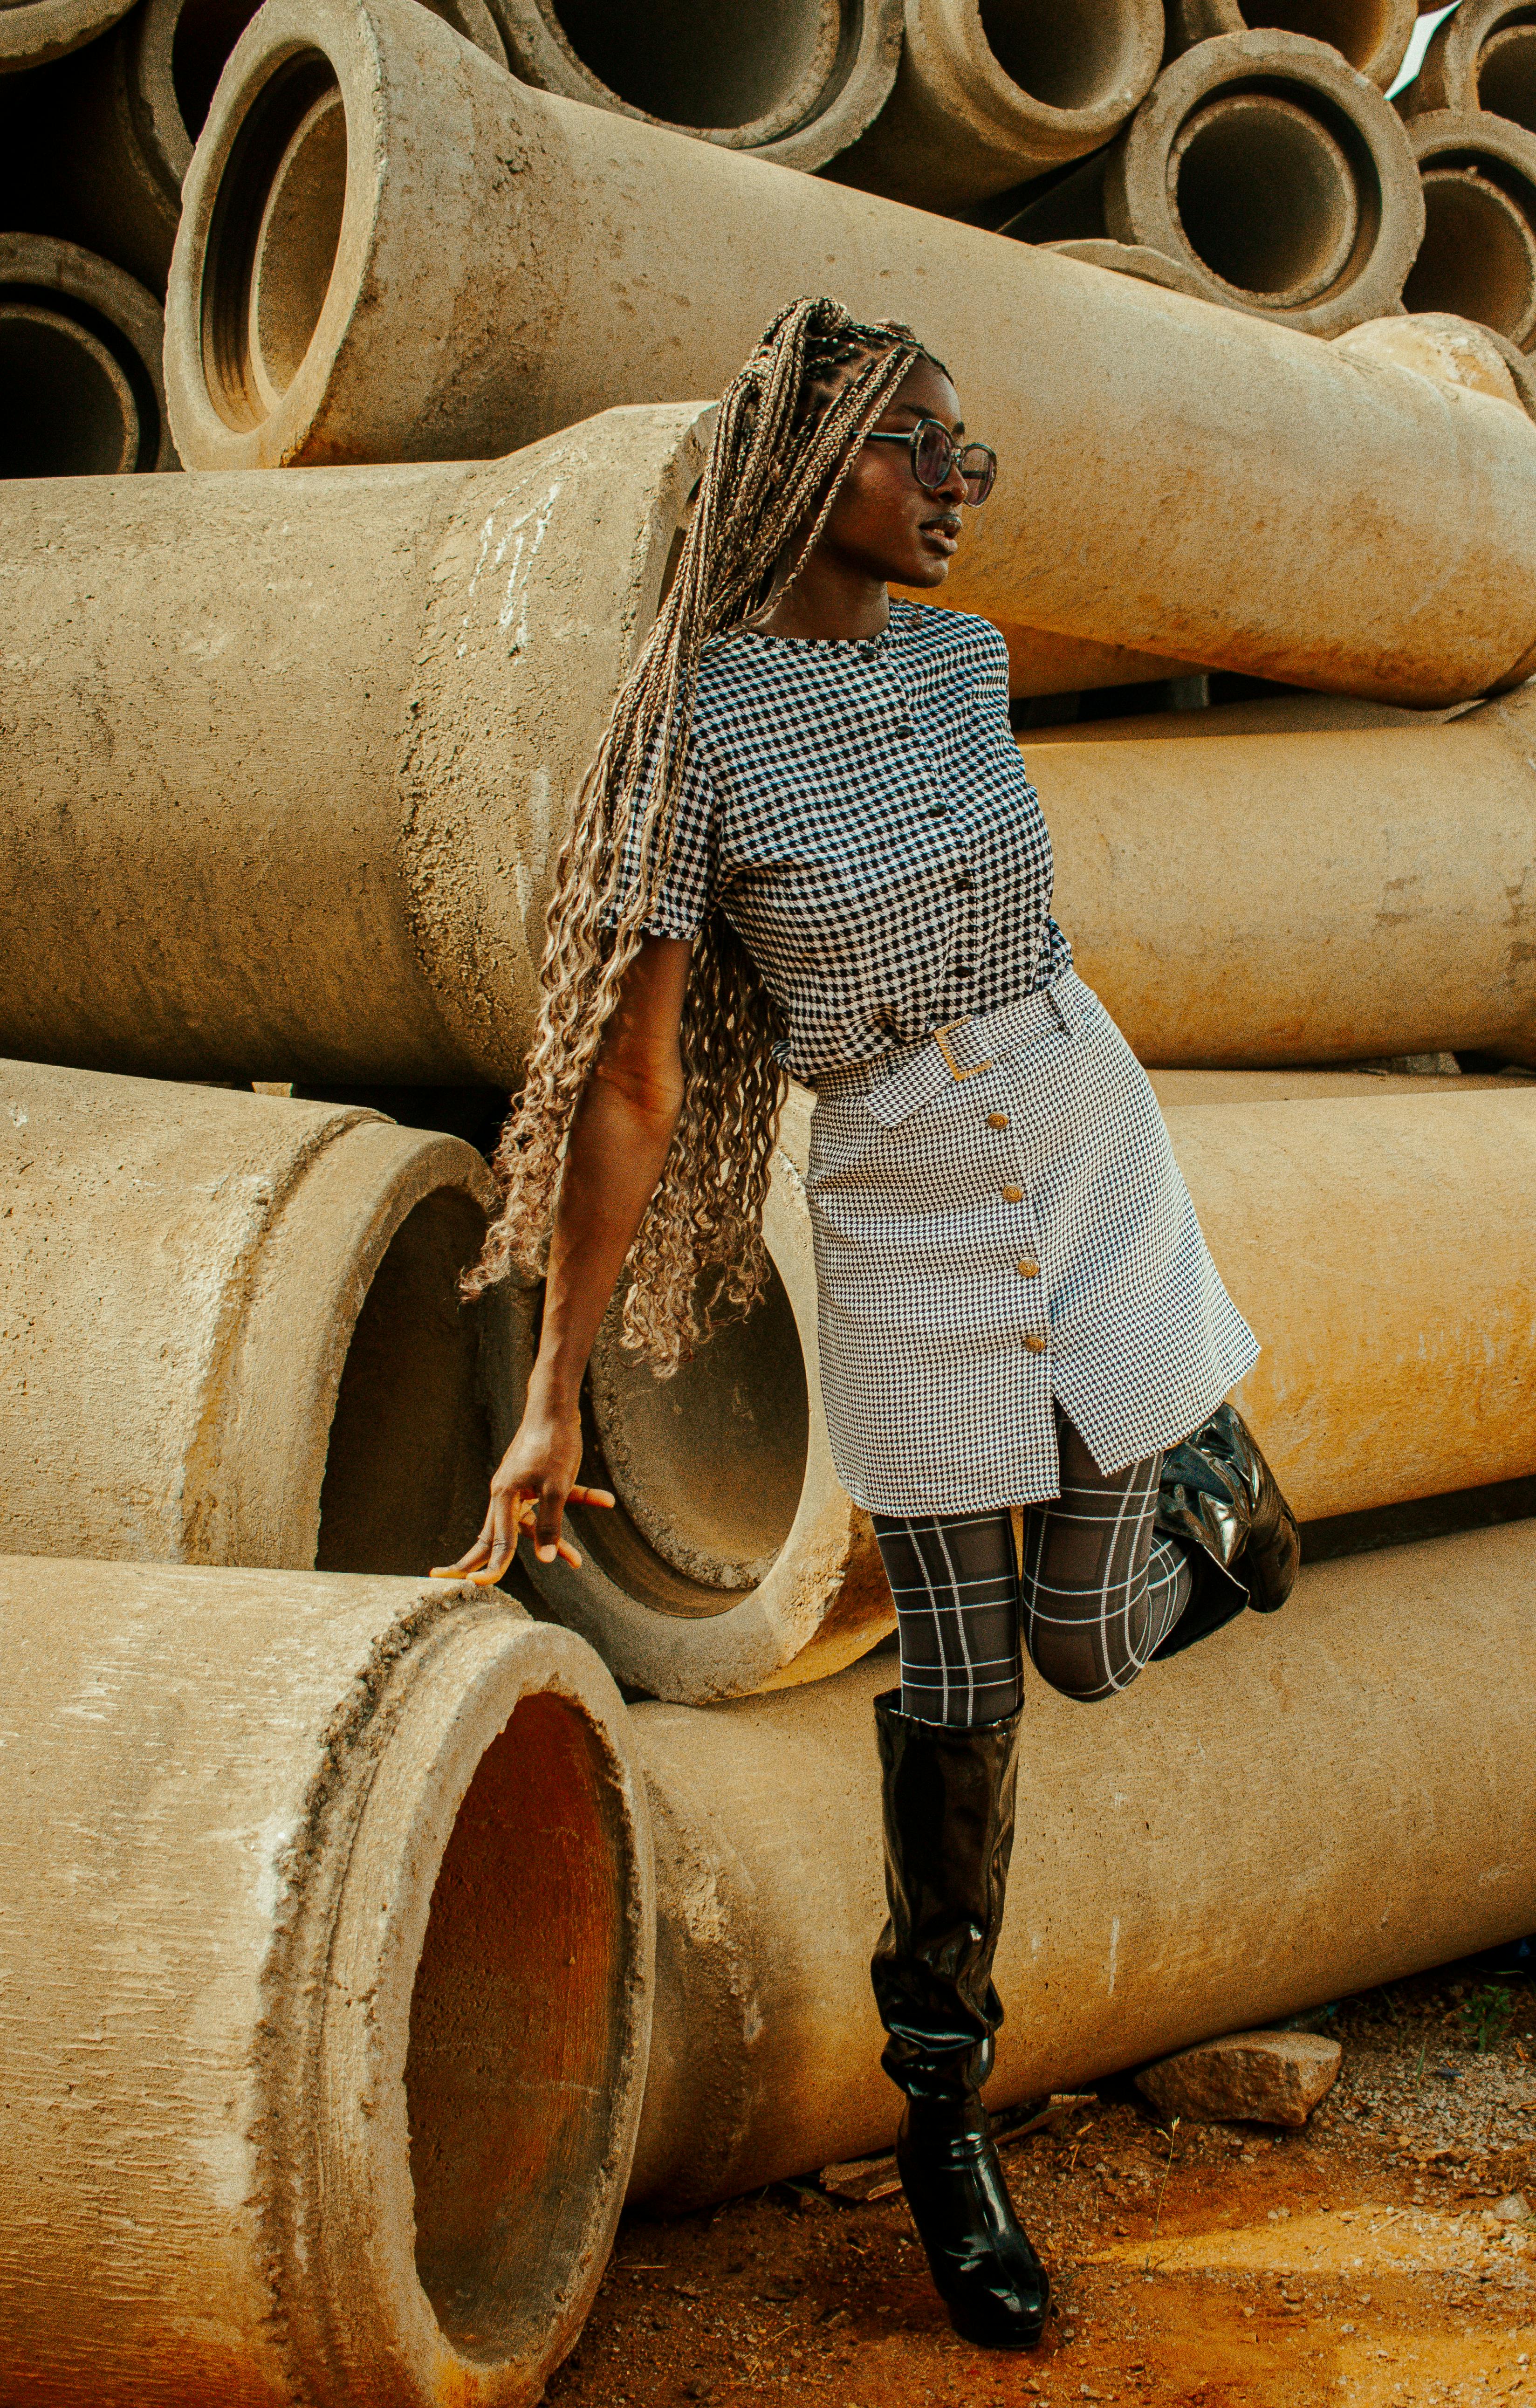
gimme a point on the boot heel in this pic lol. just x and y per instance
(983, 2266)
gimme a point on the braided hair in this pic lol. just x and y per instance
(789, 425)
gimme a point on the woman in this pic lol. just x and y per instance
(808, 841)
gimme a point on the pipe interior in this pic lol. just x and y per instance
(206, 32)
(1506, 74)
(409, 1451)
(1478, 256)
(1265, 195)
(273, 238)
(517, 2029)
(1067, 53)
(1357, 28)
(707, 1467)
(693, 63)
(69, 410)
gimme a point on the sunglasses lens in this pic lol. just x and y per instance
(935, 453)
(979, 467)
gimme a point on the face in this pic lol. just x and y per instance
(883, 523)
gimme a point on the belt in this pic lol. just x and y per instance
(962, 1049)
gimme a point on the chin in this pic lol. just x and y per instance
(923, 574)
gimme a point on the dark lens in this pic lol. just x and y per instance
(935, 451)
(979, 467)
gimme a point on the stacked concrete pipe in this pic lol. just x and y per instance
(1372, 34)
(1274, 173)
(80, 364)
(989, 95)
(1302, 1807)
(32, 32)
(1478, 255)
(445, 317)
(327, 1989)
(235, 1333)
(1482, 57)
(792, 81)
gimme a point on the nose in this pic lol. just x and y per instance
(954, 487)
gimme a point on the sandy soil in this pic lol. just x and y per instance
(1359, 2261)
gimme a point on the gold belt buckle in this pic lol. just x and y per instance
(951, 1064)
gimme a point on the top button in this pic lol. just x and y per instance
(996, 1120)
(938, 811)
(903, 728)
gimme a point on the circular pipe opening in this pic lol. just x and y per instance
(692, 63)
(1478, 256)
(69, 410)
(1226, 168)
(518, 2026)
(206, 32)
(1359, 28)
(709, 1467)
(410, 1449)
(1506, 75)
(1068, 53)
(273, 240)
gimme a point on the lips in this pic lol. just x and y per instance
(944, 531)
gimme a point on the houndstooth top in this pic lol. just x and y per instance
(998, 1218)
(860, 814)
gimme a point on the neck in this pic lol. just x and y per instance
(833, 600)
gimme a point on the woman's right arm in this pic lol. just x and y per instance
(620, 1135)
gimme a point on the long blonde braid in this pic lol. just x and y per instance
(790, 422)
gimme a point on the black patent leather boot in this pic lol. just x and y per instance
(1220, 1499)
(949, 1831)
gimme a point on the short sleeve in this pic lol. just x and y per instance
(689, 885)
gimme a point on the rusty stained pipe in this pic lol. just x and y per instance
(792, 80)
(238, 1336)
(1478, 255)
(1372, 34)
(1187, 1861)
(992, 91)
(1297, 565)
(1275, 175)
(328, 1930)
(1361, 1188)
(80, 364)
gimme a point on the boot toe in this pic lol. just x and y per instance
(1001, 2313)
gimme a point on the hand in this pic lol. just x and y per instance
(534, 1481)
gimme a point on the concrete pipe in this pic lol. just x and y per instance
(794, 80)
(1129, 259)
(236, 1333)
(1478, 255)
(32, 32)
(362, 913)
(734, 1561)
(1235, 905)
(1173, 1087)
(1191, 1860)
(1482, 57)
(1277, 177)
(445, 317)
(1453, 351)
(1277, 714)
(80, 364)
(992, 91)
(1372, 34)
(326, 1981)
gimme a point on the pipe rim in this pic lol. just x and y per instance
(1377, 50)
(1140, 205)
(1502, 158)
(27, 328)
(32, 32)
(344, 2186)
(1451, 75)
(114, 308)
(963, 51)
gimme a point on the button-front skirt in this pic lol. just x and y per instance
(984, 1244)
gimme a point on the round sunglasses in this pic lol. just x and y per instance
(935, 453)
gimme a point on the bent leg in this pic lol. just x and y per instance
(1101, 1588)
(956, 1590)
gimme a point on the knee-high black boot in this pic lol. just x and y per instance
(949, 1831)
(1220, 1499)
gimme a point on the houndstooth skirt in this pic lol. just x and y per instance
(999, 1220)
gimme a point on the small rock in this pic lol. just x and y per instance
(1512, 2210)
(1260, 2077)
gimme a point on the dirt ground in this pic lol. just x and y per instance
(1360, 2260)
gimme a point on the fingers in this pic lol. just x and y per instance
(512, 1513)
(505, 1518)
(473, 1556)
(591, 1497)
(546, 1537)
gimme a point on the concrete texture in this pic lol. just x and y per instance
(1372, 34)
(987, 97)
(1478, 255)
(792, 80)
(1130, 258)
(734, 1562)
(446, 317)
(1275, 174)
(1300, 1807)
(1249, 901)
(1482, 57)
(1451, 351)
(1319, 1086)
(35, 30)
(205, 880)
(1256, 2077)
(79, 364)
(1277, 714)
(325, 1989)
(233, 1333)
